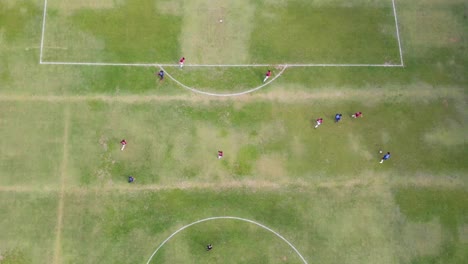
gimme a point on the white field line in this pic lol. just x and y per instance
(232, 218)
(56, 48)
(43, 30)
(213, 65)
(63, 169)
(219, 65)
(397, 32)
(224, 95)
(101, 64)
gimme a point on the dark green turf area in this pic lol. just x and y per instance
(17, 18)
(449, 207)
(301, 32)
(133, 31)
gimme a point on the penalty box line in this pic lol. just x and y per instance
(44, 15)
(397, 32)
(215, 65)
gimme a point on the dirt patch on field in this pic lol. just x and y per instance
(27, 189)
(423, 239)
(450, 135)
(272, 167)
(173, 7)
(279, 95)
(455, 180)
(446, 26)
(463, 234)
(217, 32)
(357, 147)
(71, 6)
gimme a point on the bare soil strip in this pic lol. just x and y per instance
(376, 94)
(366, 180)
(63, 171)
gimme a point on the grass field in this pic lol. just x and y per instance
(250, 31)
(64, 196)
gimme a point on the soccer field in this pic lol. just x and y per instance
(77, 77)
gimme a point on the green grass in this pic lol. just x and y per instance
(267, 145)
(300, 32)
(251, 32)
(33, 153)
(255, 136)
(26, 225)
(322, 189)
(143, 34)
(424, 205)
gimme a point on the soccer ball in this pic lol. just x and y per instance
(380, 151)
(220, 21)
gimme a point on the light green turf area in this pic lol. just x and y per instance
(33, 152)
(63, 191)
(365, 223)
(27, 226)
(262, 140)
(323, 189)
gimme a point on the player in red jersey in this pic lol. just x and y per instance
(123, 143)
(181, 62)
(319, 122)
(267, 75)
(220, 154)
(357, 114)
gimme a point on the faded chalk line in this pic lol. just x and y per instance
(43, 30)
(63, 170)
(231, 218)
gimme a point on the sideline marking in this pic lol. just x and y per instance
(397, 32)
(227, 217)
(43, 30)
(229, 94)
(60, 206)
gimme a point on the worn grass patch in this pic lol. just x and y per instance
(27, 227)
(252, 136)
(32, 155)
